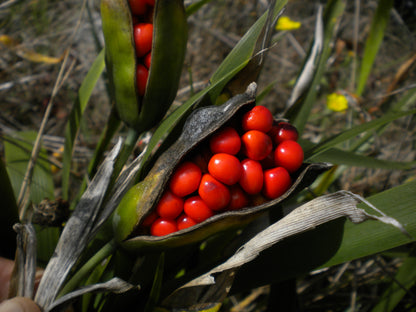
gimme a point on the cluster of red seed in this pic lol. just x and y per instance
(236, 171)
(142, 13)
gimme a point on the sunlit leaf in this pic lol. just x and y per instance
(334, 242)
(341, 157)
(374, 39)
(355, 131)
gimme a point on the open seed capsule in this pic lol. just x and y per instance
(142, 199)
(142, 109)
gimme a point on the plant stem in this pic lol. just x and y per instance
(128, 146)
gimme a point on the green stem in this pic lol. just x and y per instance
(126, 150)
(88, 267)
(110, 129)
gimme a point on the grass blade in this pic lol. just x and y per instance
(300, 111)
(372, 45)
(341, 157)
(73, 124)
(348, 134)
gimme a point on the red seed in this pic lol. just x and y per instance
(259, 118)
(276, 182)
(143, 37)
(225, 168)
(138, 7)
(147, 60)
(215, 194)
(141, 79)
(184, 221)
(197, 209)
(285, 131)
(226, 140)
(185, 179)
(289, 154)
(252, 178)
(239, 198)
(170, 206)
(256, 144)
(162, 227)
(150, 219)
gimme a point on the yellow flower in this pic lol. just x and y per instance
(336, 102)
(285, 23)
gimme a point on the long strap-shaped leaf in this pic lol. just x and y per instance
(73, 124)
(348, 134)
(304, 218)
(373, 43)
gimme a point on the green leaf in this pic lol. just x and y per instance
(237, 59)
(351, 133)
(244, 49)
(74, 121)
(341, 157)
(195, 6)
(335, 242)
(398, 203)
(177, 117)
(374, 39)
(154, 295)
(18, 153)
(300, 111)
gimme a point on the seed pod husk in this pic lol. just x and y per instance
(168, 53)
(143, 197)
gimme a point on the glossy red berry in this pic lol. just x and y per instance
(150, 2)
(197, 209)
(185, 179)
(184, 221)
(289, 154)
(215, 194)
(258, 118)
(225, 168)
(170, 206)
(141, 79)
(226, 140)
(143, 37)
(138, 7)
(276, 182)
(162, 227)
(147, 59)
(252, 178)
(284, 132)
(150, 219)
(239, 198)
(256, 144)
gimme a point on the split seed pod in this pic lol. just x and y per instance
(168, 53)
(142, 198)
